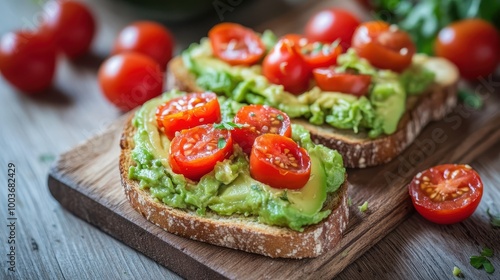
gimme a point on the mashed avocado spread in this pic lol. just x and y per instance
(229, 189)
(377, 113)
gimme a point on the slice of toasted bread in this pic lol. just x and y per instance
(237, 232)
(358, 150)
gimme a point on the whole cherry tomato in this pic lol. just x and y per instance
(70, 24)
(129, 79)
(284, 65)
(147, 37)
(472, 44)
(331, 24)
(27, 60)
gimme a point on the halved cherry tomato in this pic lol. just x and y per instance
(279, 162)
(70, 24)
(195, 151)
(384, 46)
(284, 65)
(447, 193)
(188, 111)
(329, 80)
(27, 60)
(236, 44)
(257, 120)
(316, 54)
(147, 37)
(332, 24)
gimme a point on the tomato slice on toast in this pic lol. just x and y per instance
(256, 120)
(236, 44)
(329, 80)
(278, 161)
(383, 45)
(195, 151)
(188, 111)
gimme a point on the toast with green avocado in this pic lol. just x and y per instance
(368, 127)
(234, 203)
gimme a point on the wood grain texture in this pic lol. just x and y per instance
(94, 193)
(54, 244)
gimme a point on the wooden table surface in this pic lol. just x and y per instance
(51, 243)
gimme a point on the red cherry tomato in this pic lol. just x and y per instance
(472, 44)
(446, 194)
(316, 54)
(329, 80)
(235, 44)
(147, 37)
(285, 66)
(70, 24)
(331, 24)
(27, 60)
(384, 46)
(130, 79)
(195, 151)
(258, 120)
(188, 111)
(279, 162)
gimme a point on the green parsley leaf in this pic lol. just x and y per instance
(487, 252)
(494, 219)
(457, 272)
(255, 188)
(364, 207)
(488, 267)
(477, 261)
(280, 117)
(284, 196)
(221, 143)
(349, 201)
(227, 125)
(470, 99)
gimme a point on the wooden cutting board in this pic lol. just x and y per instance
(86, 181)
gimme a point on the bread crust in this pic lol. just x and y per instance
(358, 150)
(237, 232)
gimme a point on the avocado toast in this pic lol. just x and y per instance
(367, 130)
(227, 206)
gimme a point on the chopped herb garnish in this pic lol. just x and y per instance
(477, 261)
(488, 267)
(255, 188)
(221, 143)
(252, 114)
(280, 117)
(284, 196)
(471, 99)
(487, 252)
(363, 207)
(46, 158)
(482, 261)
(227, 125)
(494, 219)
(457, 272)
(349, 201)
